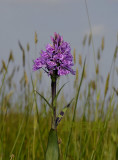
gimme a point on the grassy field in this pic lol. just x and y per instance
(89, 129)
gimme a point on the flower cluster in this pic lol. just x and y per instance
(57, 58)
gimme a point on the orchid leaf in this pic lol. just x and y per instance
(52, 152)
(43, 98)
(60, 116)
(55, 99)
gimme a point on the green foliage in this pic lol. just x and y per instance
(62, 113)
(52, 152)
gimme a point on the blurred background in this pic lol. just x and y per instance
(20, 19)
(91, 28)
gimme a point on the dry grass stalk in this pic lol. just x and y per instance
(1, 71)
(97, 69)
(28, 47)
(115, 53)
(35, 38)
(85, 75)
(40, 75)
(25, 78)
(84, 40)
(23, 53)
(93, 85)
(77, 74)
(9, 95)
(11, 58)
(102, 44)
(90, 38)
(74, 56)
(23, 58)
(12, 157)
(106, 85)
(80, 60)
(115, 90)
(98, 54)
(4, 65)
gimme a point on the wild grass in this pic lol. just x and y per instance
(25, 120)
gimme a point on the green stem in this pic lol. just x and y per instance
(53, 87)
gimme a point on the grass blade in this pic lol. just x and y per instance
(76, 100)
(21, 147)
(17, 137)
(35, 99)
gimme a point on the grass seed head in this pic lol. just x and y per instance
(40, 76)
(23, 58)
(4, 65)
(1, 71)
(11, 58)
(23, 53)
(35, 38)
(84, 40)
(93, 85)
(98, 54)
(77, 74)
(76, 78)
(28, 47)
(106, 85)
(80, 60)
(90, 38)
(25, 78)
(115, 90)
(102, 44)
(74, 56)
(59, 140)
(12, 157)
(97, 69)
(115, 53)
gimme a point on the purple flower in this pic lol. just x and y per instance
(57, 58)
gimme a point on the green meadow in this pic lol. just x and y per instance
(89, 128)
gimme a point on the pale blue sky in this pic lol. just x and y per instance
(19, 19)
